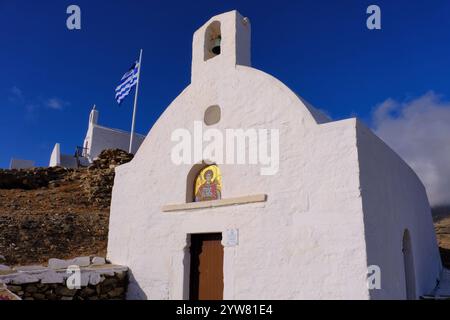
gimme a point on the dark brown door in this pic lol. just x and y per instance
(206, 275)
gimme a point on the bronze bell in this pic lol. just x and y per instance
(216, 47)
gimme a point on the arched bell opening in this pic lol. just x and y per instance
(213, 41)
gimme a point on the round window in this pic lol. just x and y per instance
(212, 115)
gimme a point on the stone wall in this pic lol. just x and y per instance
(111, 288)
(29, 179)
(98, 280)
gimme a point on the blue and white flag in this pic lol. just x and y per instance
(128, 81)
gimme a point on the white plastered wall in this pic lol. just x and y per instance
(394, 200)
(99, 138)
(55, 157)
(105, 138)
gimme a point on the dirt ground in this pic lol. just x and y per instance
(61, 222)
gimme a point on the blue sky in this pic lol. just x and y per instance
(322, 49)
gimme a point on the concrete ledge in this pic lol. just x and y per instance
(215, 203)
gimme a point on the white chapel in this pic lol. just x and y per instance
(97, 139)
(339, 206)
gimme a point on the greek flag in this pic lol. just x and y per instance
(127, 82)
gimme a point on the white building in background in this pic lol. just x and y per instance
(341, 206)
(21, 164)
(98, 138)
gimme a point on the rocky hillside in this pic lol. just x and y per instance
(56, 212)
(441, 217)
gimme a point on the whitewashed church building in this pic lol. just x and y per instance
(98, 138)
(338, 205)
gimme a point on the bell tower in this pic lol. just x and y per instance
(220, 44)
(93, 116)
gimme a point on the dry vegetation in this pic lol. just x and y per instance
(442, 226)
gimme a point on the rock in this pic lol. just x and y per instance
(121, 275)
(42, 287)
(2, 259)
(39, 296)
(58, 264)
(81, 261)
(31, 289)
(64, 291)
(109, 282)
(4, 268)
(30, 268)
(24, 277)
(96, 261)
(53, 184)
(51, 296)
(111, 158)
(98, 289)
(51, 276)
(95, 278)
(14, 288)
(87, 292)
(116, 292)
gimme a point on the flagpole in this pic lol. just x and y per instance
(135, 104)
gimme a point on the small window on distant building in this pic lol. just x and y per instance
(208, 184)
(213, 40)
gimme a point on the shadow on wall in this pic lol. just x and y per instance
(134, 291)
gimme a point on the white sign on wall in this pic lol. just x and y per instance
(231, 238)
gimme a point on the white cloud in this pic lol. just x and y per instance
(33, 106)
(56, 104)
(419, 131)
(16, 96)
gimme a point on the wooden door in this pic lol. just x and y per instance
(206, 274)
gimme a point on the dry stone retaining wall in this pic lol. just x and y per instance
(99, 280)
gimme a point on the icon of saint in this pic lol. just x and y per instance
(209, 190)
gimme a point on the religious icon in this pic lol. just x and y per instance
(208, 184)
